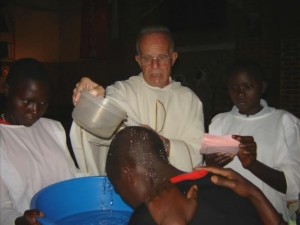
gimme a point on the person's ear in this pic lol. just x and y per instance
(138, 60)
(264, 87)
(174, 56)
(127, 175)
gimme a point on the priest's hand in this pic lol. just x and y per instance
(87, 84)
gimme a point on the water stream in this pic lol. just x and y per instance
(105, 216)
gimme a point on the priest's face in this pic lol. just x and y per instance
(156, 59)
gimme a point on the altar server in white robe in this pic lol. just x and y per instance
(33, 149)
(273, 162)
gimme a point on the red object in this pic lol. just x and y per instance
(94, 29)
(4, 122)
(195, 175)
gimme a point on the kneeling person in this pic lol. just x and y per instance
(137, 166)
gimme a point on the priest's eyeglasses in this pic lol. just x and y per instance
(161, 59)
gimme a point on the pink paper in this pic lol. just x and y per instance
(215, 143)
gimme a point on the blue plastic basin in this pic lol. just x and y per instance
(77, 196)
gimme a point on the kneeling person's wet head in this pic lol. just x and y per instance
(135, 156)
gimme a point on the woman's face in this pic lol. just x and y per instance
(27, 102)
(245, 92)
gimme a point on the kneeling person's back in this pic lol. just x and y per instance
(215, 206)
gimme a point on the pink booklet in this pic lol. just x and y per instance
(215, 143)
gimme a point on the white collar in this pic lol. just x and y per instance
(266, 109)
(172, 83)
